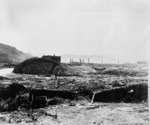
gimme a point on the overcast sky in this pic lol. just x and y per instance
(84, 27)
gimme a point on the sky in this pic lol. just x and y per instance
(120, 28)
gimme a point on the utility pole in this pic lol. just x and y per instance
(80, 61)
(71, 60)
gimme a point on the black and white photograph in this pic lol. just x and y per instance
(74, 62)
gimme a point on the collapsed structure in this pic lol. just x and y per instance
(131, 93)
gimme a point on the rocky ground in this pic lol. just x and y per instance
(80, 111)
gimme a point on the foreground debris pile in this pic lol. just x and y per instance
(81, 113)
(132, 93)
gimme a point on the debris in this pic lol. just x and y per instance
(4, 78)
(35, 97)
(131, 93)
(127, 109)
(92, 106)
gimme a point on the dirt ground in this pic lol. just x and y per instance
(84, 113)
(79, 112)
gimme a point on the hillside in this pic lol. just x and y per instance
(9, 54)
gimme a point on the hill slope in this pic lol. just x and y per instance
(9, 54)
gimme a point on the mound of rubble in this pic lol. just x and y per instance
(36, 66)
(119, 71)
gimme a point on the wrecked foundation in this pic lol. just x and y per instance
(51, 94)
(132, 93)
(18, 96)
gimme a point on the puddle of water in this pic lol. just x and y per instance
(5, 71)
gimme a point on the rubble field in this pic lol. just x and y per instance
(83, 94)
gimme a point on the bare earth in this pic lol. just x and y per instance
(79, 112)
(84, 113)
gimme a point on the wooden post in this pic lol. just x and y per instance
(93, 98)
